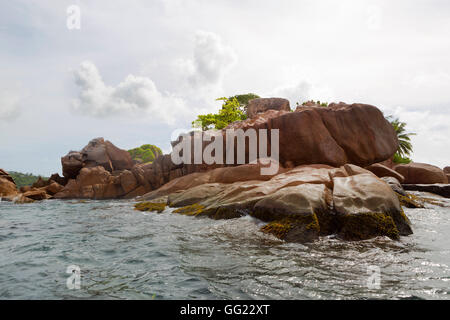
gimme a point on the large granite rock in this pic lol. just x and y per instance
(261, 105)
(334, 135)
(98, 152)
(421, 173)
(98, 183)
(299, 204)
(8, 187)
(381, 171)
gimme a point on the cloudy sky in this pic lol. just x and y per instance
(137, 71)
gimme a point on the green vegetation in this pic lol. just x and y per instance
(23, 179)
(150, 206)
(244, 99)
(404, 141)
(233, 109)
(145, 153)
(322, 104)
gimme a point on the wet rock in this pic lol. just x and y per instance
(36, 194)
(299, 204)
(439, 189)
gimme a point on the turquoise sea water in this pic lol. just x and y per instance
(127, 254)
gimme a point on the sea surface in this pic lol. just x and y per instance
(126, 254)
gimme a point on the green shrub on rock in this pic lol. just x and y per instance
(145, 153)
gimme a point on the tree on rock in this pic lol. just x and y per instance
(232, 110)
(405, 147)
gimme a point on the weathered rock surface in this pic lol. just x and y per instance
(98, 183)
(338, 134)
(381, 171)
(37, 194)
(98, 152)
(421, 173)
(299, 204)
(261, 105)
(8, 187)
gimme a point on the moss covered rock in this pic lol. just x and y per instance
(150, 206)
(145, 153)
(299, 205)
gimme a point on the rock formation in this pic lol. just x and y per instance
(421, 173)
(319, 189)
(8, 187)
(98, 152)
(261, 105)
(299, 204)
(381, 170)
(334, 135)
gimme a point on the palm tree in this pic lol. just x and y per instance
(404, 141)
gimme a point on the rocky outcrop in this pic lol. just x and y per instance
(421, 173)
(439, 189)
(334, 135)
(338, 134)
(381, 170)
(98, 183)
(98, 152)
(261, 105)
(299, 204)
(8, 187)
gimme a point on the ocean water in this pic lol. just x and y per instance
(127, 254)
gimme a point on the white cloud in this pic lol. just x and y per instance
(9, 105)
(204, 73)
(303, 90)
(212, 58)
(133, 96)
